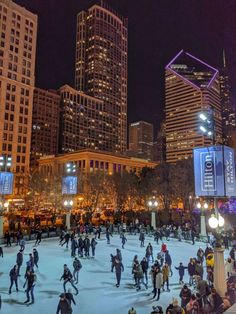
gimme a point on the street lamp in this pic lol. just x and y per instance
(68, 205)
(203, 219)
(153, 204)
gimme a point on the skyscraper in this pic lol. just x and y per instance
(141, 139)
(101, 66)
(191, 86)
(228, 113)
(45, 124)
(159, 145)
(18, 33)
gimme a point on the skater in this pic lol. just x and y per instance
(144, 264)
(67, 277)
(200, 255)
(168, 260)
(1, 252)
(19, 261)
(108, 233)
(158, 285)
(64, 306)
(70, 297)
(119, 255)
(191, 271)
(164, 247)
(38, 237)
(13, 278)
(181, 269)
(141, 238)
(36, 257)
(80, 246)
(166, 275)
(73, 246)
(22, 245)
(77, 266)
(86, 246)
(67, 239)
(123, 240)
(118, 269)
(93, 246)
(30, 281)
(193, 234)
(8, 238)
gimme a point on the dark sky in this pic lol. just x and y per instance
(158, 29)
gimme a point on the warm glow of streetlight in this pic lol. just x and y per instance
(213, 222)
(205, 205)
(71, 203)
(6, 204)
(65, 203)
(155, 203)
(199, 205)
(221, 221)
(150, 203)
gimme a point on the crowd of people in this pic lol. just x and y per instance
(153, 269)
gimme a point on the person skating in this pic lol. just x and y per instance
(36, 257)
(166, 274)
(70, 297)
(118, 269)
(144, 264)
(77, 266)
(138, 272)
(38, 237)
(67, 239)
(22, 244)
(142, 238)
(80, 244)
(168, 260)
(13, 278)
(8, 238)
(191, 271)
(200, 255)
(1, 252)
(108, 234)
(123, 241)
(149, 252)
(67, 277)
(93, 246)
(159, 284)
(73, 246)
(181, 269)
(64, 306)
(19, 261)
(30, 281)
(86, 246)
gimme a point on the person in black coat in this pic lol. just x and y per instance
(144, 265)
(93, 246)
(181, 269)
(118, 268)
(13, 278)
(38, 237)
(8, 238)
(67, 239)
(19, 261)
(1, 251)
(80, 244)
(64, 306)
(168, 261)
(36, 257)
(67, 277)
(191, 271)
(86, 246)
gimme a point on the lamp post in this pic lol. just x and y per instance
(216, 222)
(68, 205)
(5, 166)
(203, 207)
(153, 204)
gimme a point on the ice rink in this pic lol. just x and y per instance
(97, 290)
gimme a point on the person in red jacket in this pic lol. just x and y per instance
(163, 247)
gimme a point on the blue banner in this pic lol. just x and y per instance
(6, 183)
(229, 168)
(69, 185)
(208, 171)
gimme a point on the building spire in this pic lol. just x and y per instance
(224, 59)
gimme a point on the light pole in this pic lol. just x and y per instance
(153, 204)
(5, 186)
(203, 207)
(68, 205)
(216, 222)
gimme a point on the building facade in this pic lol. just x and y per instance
(84, 122)
(101, 66)
(141, 139)
(159, 145)
(88, 161)
(45, 124)
(18, 33)
(191, 86)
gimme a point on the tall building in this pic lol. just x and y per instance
(45, 124)
(228, 112)
(191, 86)
(84, 122)
(101, 66)
(141, 139)
(18, 32)
(159, 145)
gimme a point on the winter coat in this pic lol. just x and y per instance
(165, 272)
(159, 280)
(139, 272)
(64, 307)
(36, 256)
(141, 237)
(181, 270)
(19, 258)
(13, 273)
(199, 269)
(93, 243)
(77, 265)
(118, 266)
(86, 244)
(229, 266)
(168, 259)
(210, 260)
(144, 265)
(202, 287)
(66, 275)
(185, 295)
(191, 269)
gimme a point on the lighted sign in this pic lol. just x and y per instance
(6, 183)
(69, 185)
(229, 169)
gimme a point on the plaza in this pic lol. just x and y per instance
(97, 290)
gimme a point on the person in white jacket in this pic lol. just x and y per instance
(229, 266)
(159, 284)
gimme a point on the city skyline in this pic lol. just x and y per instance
(148, 55)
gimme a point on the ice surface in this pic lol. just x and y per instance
(97, 290)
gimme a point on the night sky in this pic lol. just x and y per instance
(158, 29)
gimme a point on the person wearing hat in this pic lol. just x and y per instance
(185, 295)
(64, 306)
(174, 308)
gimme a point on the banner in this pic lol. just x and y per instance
(229, 167)
(6, 183)
(69, 185)
(208, 171)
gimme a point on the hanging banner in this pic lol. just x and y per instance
(229, 167)
(6, 183)
(69, 185)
